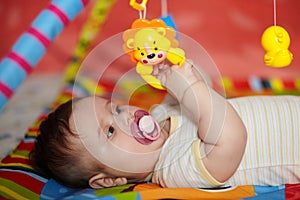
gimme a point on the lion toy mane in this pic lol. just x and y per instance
(150, 43)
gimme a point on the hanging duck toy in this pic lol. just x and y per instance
(275, 41)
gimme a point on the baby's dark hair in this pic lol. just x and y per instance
(56, 154)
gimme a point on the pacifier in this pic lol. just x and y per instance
(144, 128)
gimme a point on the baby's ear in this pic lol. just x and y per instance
(102, 180)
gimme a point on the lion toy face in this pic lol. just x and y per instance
(150, 45)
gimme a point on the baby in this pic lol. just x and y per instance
(195, 138)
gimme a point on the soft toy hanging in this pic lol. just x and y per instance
(276, 41)
(150, 43)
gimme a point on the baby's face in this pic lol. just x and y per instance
(105, 130)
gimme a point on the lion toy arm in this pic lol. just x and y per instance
(144, 69)
(176, 56)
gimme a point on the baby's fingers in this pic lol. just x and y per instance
(163, 75)
(163, 67)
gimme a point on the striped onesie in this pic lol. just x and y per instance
(271, 156)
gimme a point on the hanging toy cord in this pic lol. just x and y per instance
(164, 8)
(141, 7)
(274, 8)
(166, 17)
(142, 13)
(276, 41)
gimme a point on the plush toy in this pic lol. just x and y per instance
(150, 43)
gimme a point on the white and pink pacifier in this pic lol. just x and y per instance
(145, 128)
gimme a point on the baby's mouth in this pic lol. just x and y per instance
(144, 128)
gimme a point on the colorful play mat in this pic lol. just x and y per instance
(18, 179)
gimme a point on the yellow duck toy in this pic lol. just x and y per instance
(150, 43)
(276, 41)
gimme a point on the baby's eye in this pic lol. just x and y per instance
(110, 131)
(117, 110)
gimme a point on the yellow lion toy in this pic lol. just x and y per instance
(149, 43)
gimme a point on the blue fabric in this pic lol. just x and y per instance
(48, 24)
(168, 19)
(268, 192)
(3, 101)
(70, 7)
(11, 74)
(54, 190)
(29, 49)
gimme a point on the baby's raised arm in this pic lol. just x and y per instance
(220, 129)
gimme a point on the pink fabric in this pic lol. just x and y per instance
(21, 61)
(7, 92)
(59, 13)
(39, 36)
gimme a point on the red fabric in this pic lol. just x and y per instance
(24, 180)
(16, 161)
(292, 192)
(25, 146)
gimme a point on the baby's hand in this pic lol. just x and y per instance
(159, 68)
(177, 79)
